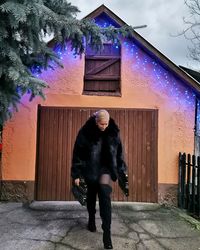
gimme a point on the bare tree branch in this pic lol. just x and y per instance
(191, 31)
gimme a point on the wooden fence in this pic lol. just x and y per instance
(189, 183)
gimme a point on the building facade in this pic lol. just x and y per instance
(152, 100)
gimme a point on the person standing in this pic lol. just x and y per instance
(98, 158)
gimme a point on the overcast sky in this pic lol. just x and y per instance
(163, 19)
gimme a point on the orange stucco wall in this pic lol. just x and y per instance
(142, 87)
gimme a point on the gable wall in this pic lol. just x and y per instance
(142, 87)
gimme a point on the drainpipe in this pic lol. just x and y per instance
(197, 128)
(1, 131)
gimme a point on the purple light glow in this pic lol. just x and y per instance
(163, 81)
(198, 118)
(38, 72)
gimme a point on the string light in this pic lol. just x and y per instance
(162, 80)
(61, 52)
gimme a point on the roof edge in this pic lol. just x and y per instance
(102, 8)
(148, 47)
(167, 62)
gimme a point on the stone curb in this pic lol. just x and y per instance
(184, 215)
(71, 205)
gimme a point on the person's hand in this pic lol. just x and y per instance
(77, 181)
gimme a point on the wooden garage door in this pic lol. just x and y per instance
(57, 130)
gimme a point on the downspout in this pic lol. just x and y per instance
(1, 133)
(197, 128)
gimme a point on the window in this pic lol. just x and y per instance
(102, 70)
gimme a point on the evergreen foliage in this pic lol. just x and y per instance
(23, 25)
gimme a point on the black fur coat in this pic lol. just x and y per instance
(88, 150)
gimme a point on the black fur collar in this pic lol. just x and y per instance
(91, 130)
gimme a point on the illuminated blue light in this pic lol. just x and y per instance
(163, 80)
(60, 52)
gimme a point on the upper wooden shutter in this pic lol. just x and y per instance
(102, 70)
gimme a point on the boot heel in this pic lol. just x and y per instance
(107, 241)
(91, 225)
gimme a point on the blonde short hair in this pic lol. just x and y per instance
(102, 114)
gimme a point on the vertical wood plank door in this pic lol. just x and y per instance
(56, 133)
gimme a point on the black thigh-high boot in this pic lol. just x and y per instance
(91, 205)
(105, 213)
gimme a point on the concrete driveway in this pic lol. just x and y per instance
(62, 225)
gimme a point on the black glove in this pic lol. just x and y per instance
(80, 192)
(123, 183)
